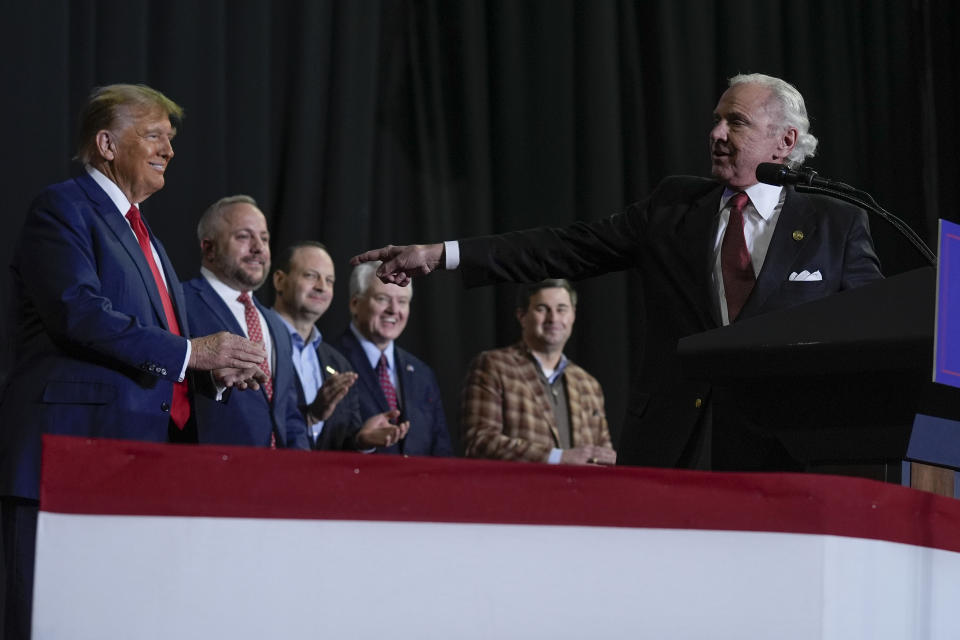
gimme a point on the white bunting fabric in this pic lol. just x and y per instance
(139, 540)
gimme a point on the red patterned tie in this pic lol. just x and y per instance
(255, 333)
(180, 403)
(735, 263)
(383, 374)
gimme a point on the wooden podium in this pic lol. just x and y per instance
(841, 381)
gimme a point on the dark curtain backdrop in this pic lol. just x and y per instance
(365, 122)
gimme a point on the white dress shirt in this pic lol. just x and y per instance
(373, 352)
(760, 217)
(229, 296)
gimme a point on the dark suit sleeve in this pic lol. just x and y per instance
(429, 409)
(860, 262)
(64, 273)
(340, 429)
(580, 250)
(296, 425)
(441, 445)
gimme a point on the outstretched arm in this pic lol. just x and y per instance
(402, 263)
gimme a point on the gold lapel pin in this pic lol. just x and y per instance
(798, 235)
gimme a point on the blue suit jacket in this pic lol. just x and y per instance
(93, 353)
(246, 417)
(419, 397)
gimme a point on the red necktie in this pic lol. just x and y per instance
(384, 376)
(180, 403)
(738, 276)
(255, 333)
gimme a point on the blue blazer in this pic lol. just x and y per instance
(246, 417)
(93, 355)
(418, 393)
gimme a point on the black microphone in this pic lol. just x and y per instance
(808, 181)
(780, 174)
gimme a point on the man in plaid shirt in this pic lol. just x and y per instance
(528, 401)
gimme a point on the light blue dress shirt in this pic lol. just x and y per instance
(373, 355)
(307, 365)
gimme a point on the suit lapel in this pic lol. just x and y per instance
(281, 344)
(573, 402)
(406, 384)
(404, 381)
(217, 306)
(701, 233)
(323, 352)
(323, 360)
(784, 249)
(367, 374)
(173, 285)
(115, 221)
(530, 377)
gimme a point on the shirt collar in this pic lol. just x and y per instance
(763, 197)
(312, 341)
(111, 189)
(223, 290)
(556, 372)
(560, 368)
(372, 351)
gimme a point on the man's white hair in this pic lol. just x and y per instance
(787, 110)
(363, 274)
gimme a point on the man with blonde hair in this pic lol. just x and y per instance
(102, 347)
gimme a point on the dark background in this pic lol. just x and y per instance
(363, 122)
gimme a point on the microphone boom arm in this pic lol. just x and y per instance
(865, 200)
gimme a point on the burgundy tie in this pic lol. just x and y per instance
(255, 333)
(735, 263)
(384, 376)
(180, 403)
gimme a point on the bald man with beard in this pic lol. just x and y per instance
(235, 247)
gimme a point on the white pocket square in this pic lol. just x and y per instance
(806, 276)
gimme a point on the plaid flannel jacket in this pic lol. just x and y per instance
(505, 413)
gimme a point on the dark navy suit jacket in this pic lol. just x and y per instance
(93, 356)
(246, 417)
(340, 429)
(419, 397)
(668, 238)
